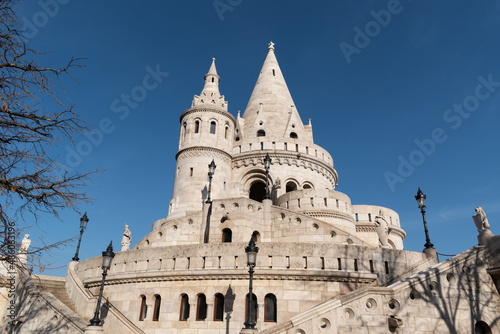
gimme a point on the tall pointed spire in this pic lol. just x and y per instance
(210, 94)
(271, 107)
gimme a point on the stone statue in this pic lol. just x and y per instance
(483, 227)
(382, 229)
(481, 221)
(127, 239)
(25, 244)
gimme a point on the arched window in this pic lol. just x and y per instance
(270, 308)
(307, 186)
(196, 126)
(256, 236)
(237, 138)
(255, 308)
(184, 129)
(293, 135)
(212, 127)
(144, 309)
(201, 308)
(226, 132)
(227, 235)
(184, 312)
(156, 313)
(219, 307)
(482, 328)
(258, 191)
(290, 186)
(261, 133)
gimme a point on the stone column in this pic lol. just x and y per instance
(210, 312)
(93, 330)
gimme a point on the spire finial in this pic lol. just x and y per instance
(271, 46)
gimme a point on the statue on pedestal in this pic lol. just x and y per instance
(25, 244)
(483, 226)
(382, 229)
(127, 239)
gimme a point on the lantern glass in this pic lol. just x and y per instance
(107, 257)
(420, 198)
(211, 167)
(251, 258)
(267, 161)
(84, 221)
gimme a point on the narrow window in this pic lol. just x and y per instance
(356, 217)
(371, 266)
(339, 260)
(201, 309)
(293, 135)
(326, 202)
(237, 139)
(261, 133)
(296, 147)
(337, 203)
(270, 308)
(286, 147)
(191, 171)
(387, 267)
(274, 74)
(144, 309)
(184, 313)
(261, 146)
(219, 307)
(156, 313)
(254, 311)
(212, 79)
(355, 264)
(196, 126)
(227, 235)
(307, 150)
(184, 129)
(312, 202)
(298, 202)
(370, 217)
(212, 127)
(226, 132)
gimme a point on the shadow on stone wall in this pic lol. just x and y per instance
(228, 305)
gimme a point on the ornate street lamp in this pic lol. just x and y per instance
(83, 225)
(421, 204)
(251, 251)
(107, 257)
(211, 171)
(267, 164)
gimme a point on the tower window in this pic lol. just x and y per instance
(184, 312)
(274, 73)
(212, 79)
(144, 309)
(219, 307)
(226, 132)
(291, 186)
(261, 146)
(370, 217)
(293, 135)
(261, 133)
(270, 308)
(156, 314)
(191, 171)
(196, 126)
(212, 127)
(201, 309)
(227, 235)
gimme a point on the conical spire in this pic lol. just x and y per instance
(271, 107)
(210, 94)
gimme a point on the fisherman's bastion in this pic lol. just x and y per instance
(324, 264)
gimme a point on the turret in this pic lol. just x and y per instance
(206, 134)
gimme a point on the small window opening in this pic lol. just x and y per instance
(201, 309)
(270, 308)
(355, 264)
(261, 133)
(296, 147)
(357, 217)
(144, 309)
(191, 171)
(371, 266)
(290, 186)
(293, 135)
(212, 127)
(370, 217)
(226, 132)
(156, 313)
(184, 313)
(196, 126)
(219, 307)
(339, 261)
(286, 147)
(274, 73)
(212, 79)
(261, 146)
(387, 267)
(227, 235)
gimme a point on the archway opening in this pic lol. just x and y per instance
(291, 186)
(258, 191)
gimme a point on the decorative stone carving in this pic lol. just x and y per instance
(127, 239)
(382, 229)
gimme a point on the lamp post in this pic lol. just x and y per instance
(83, 225)
(211, 171)
(267, 164)
(251, 251)
(107, 257)
(421, 204)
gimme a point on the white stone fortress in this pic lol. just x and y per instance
(323, 266)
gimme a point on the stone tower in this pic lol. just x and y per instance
(206, 134)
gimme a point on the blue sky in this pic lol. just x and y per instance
(408, 85)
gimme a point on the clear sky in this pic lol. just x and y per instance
(401, 93)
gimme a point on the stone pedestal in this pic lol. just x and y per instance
(431, 253)
(249, 331)
(484, 236)
(93, 330)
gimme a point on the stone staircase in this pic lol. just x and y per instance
(56, 286)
